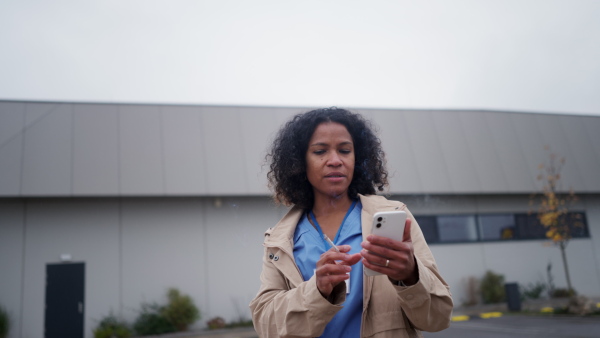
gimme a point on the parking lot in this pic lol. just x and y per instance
(507, 326)
(523, 327)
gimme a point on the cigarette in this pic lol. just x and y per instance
(331, 243)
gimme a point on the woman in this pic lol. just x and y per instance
(327, 163)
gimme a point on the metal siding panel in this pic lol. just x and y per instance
(12, 223)
(439, 205)
(286, 114)
(483, 152)
(164, 245)
(185, 170)
(582, 151)
(34, 112)
(95, 150)
(141, 161)
(592, 127)
(11, 154)
(48, 150)
(395, 140)
(455, 151)
(88, 230)
(531, 140)
(226, 168)
(553, 135)
(592, 132)
(11, 121)
(12, 124)
(429, 159)
(259, 127)
(239, 223)
(511, 155)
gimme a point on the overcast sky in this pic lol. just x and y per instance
(541, 55)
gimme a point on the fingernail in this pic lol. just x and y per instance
(348, 269)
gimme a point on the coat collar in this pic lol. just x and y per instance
(282, 235)
(279, 240)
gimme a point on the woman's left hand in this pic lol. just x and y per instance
(392, 258)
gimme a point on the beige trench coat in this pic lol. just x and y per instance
(288, 306)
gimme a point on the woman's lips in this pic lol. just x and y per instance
(335, 177)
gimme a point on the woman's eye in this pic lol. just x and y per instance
(319, 152)
(345, 151)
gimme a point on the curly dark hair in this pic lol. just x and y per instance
(287, 156)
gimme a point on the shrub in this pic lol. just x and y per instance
(563, 293)
(240, 323)
(111, 327)
(4, 323)
(216, 323)
(492, 288)
(472, 292)
(151, 321)
(180, 311)
(533, 290)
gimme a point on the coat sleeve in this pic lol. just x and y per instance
(427, 304)
(282, 311)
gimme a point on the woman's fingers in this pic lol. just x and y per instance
(329, 275)
(392, 258)
(333, 268)
(351, 259)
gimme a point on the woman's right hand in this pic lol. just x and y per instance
(330, 273)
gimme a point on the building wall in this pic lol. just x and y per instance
(58, 149)
(11, 259)
(519, 261)
(210, 248)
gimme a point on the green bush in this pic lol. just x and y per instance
(180, 311)
(563, 293)
(216, 323)
(533, 290)
(240, 323)
(111, 327)
(151, 321)
(4, 323)
(492, 288)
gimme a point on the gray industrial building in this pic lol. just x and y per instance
(126, 200)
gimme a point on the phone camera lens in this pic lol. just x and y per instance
(380, 219)
(378, 225)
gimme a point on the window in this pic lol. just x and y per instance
(493, 227)
(529, 227)
(428, 225)
(497, 227)
(578, 225)
(457, 228)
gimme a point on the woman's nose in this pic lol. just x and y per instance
(334, 160)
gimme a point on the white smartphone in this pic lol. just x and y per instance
(387, 224)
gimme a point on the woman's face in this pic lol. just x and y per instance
(330, 160)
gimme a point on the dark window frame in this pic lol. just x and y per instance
(522, 231)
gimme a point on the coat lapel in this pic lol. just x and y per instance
(281, 244)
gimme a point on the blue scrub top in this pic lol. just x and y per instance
(308, 248)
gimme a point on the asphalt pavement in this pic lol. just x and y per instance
(485, 321)
(506, 326)
(523, 326)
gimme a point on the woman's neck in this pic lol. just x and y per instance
(324, 206)
(330, 213)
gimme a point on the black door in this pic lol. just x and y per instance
(64, 300)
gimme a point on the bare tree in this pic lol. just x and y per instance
(553, 207)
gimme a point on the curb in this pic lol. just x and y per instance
(483, 315)
(487, 315)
